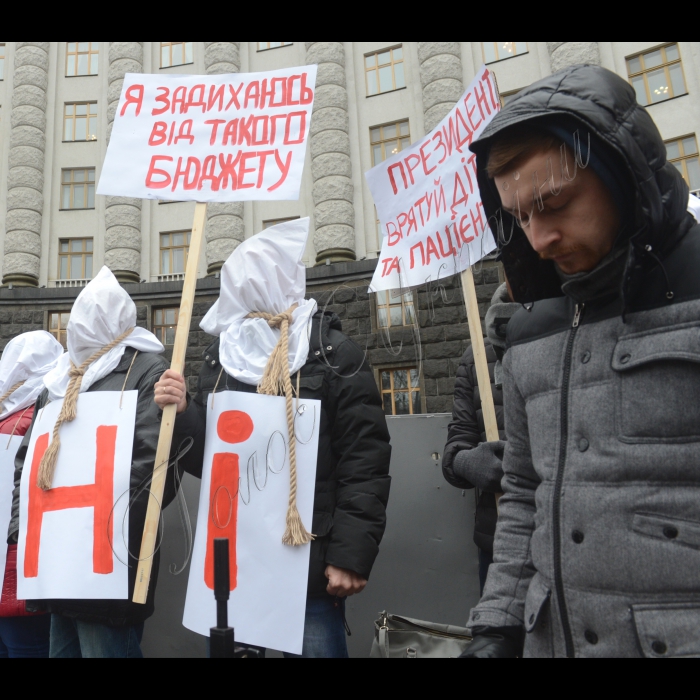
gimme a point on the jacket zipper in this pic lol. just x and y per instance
(559, 481)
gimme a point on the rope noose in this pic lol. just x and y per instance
(9, 392)
(68, 413)
(276, 380)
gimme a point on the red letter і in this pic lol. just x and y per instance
(284, 166)
(307, 94)
(158, 134)
(398, 165)
(153, 171)
(233, 427)
(185, 132)
(163, 99)
(99, 496)
(133, 96)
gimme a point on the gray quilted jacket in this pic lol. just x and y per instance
(597, 549)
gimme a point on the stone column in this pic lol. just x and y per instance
(25, 181)
(568, 53)
(225, 229)
(441, 79)
(122, 214)
(331, 168)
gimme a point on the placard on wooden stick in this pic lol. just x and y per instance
(165, 438)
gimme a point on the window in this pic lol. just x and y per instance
(506, 97)
(75, 259)
(388, 139)
(273, 222)
(265, 45)
(2, 61)
(683, 153)
(400, 391)
(384, 71)
(82, 58)
(80, 121)
(657, 75)
(498, 50)
(174, 247)
(165, 324)
(175, 53)
(78, 188)
(395, 310)
(58, 321)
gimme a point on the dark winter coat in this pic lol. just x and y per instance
(352, 473)
(145, 372)
(597, 549)
(466, 431)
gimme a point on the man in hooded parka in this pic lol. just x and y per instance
(266, 274)
(597, 549)
(102, 314)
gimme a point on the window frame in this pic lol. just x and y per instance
(684, 157)
(90, 53)
(171, 248)
(74, 118)
(419, 388)
(72, 184)
(3, 56)
(665, 65)
(157, 327)
(269, 223)
(272, 48)
(382, 141)
(59, 330)
(376, 67)
(170, 45)
(69, 254)
(505, 58)
(403, 302)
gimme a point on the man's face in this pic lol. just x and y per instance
(575, 227)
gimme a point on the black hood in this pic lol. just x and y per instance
(601, 103)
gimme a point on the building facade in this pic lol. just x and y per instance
(57, 104)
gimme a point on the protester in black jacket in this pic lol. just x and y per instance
(469, 460)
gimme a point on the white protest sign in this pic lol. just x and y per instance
(210, 138)
(8, 449)
(428, 201)
(73, 538)
(244, 497)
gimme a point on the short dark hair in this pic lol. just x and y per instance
(515, 145)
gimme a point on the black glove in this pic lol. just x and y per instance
(495, 643)
(482, 465)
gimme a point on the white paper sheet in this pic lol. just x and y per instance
(8, 450)
(428, 200)
(71, 564)
(267, 605)
(210, 138)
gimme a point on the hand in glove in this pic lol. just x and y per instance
(482, 465)
(495, 643)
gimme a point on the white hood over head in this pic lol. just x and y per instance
(266, 274)
(100, 314)
(27, 358)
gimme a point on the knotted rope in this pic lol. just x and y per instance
(68, 412)
(276, 380)
(9, 392)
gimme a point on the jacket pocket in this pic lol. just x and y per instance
(685, 532)
(658, 381)
(538, 595)
(669, 630)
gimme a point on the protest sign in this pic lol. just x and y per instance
(73, 538)
(9, 444)
(210, 138)
(244, 497)
(427, 197)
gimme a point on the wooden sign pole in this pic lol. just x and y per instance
(160, 471)
(480, 363)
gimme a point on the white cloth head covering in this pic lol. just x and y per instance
(694, 206)
(27, 357)
(101, 313)
(265, 273)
